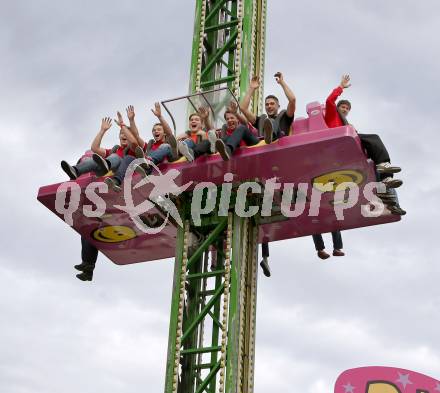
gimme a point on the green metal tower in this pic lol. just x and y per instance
(212, 327)
(228, 45)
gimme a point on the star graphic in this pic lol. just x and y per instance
(164, 183)
(437, 388)
(404, 380)
(349, 388)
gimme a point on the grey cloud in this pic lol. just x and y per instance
(66, 65)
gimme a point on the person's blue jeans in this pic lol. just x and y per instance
(88, 165)
(277, 133)
(337, 241)
(158, 155)
(240, 133)
(190, 143)
(122, 168)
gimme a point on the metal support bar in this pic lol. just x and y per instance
(204, 275)
(215, 319)
(222, 26)
(215, 9)
(229, 44)
(208, 241)
(208, 379)
(205, 366)
(203, 313)
(217, 81)
(200, 350)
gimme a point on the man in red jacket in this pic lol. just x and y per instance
(335, 116)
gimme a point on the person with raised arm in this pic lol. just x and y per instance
(162, 145)
(198, 126)
(275, 123)
(336, 116)
(115, 181)
(129, 142)
(101, 162)
(235, 133)
(111, 156)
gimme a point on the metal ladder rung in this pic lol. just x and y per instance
(200, 350)
(206, 274)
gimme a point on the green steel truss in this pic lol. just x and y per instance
(212, 325)
(212, 328)
(228, 46)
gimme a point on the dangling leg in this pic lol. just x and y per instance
(320, 246)
(89, 255)
(84, 166)
(265, 262)
(116, 181)
(337, 244)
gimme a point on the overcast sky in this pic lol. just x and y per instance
(65, 65)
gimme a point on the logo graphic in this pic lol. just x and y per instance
(336, 178)
(113, 234)
(159, 191)
(164, 185)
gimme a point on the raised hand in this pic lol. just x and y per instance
(106, 124)
(345, 81)
(254, 83)
(232, 107)
(157, 111)
(203, 112)
(130, 112)
(279, 77)
(119, 121)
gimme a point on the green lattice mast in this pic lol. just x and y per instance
(212, 325)
(228, 45)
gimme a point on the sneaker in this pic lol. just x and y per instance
(265, 266)
(139, 152)
(387, 198)
(386, 195)
(223, 149)
(392, 183)
(386, 167)
(212, 138)
(69, 170)
(173, 144)
(389, 202)
(113, 184)
(145, 166)
(268, 131)
(397, 210)
(323, 255)
(101, 162)
(338, 253)
(186, 151)
(84, 267)
(85, 276)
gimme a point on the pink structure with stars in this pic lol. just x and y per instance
(385, 380)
